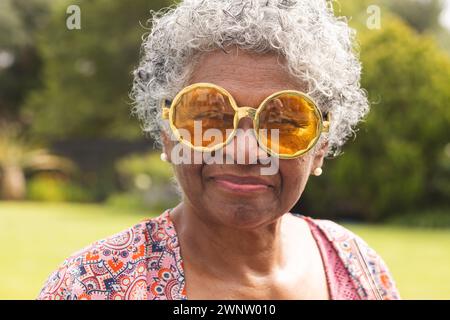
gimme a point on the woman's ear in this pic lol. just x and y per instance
(320, 154)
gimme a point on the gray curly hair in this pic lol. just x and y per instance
(318, 47)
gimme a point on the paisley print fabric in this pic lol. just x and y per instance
(368, 271)
(339, 282)
(144, 262)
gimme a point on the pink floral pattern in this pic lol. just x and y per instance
(140, 263)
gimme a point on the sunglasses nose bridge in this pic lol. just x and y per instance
(243, 112)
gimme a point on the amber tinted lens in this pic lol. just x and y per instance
(204, 117)
(288, 124)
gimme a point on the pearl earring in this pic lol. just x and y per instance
(317, 171)
(164, 157)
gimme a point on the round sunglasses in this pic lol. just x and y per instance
(205, 117)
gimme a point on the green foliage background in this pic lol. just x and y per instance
(399, 161)
(87, 72)
(69, 84)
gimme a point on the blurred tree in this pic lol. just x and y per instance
(443, 38)
(20, 64)
(400, 160)
(146, 182)
(87, 72)
(422, 15)
(19, 155)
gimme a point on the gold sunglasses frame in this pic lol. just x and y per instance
(240, 113)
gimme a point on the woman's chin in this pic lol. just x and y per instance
(243, 215)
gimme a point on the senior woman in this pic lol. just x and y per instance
(222, 81)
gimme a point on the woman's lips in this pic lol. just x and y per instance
(242, 184)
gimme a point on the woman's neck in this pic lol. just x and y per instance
(221, 251)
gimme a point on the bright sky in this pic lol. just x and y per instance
(445, 17)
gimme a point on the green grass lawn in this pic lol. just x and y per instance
(35, 238)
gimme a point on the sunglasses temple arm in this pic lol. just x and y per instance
(165, 108)
(326, 123)
(165, 113)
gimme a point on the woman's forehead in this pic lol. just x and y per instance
(247, 76)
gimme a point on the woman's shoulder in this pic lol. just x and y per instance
(112, 268)
(366, 267)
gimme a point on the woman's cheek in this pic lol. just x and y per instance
(295, 173)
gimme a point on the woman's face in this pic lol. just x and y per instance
(238, 195)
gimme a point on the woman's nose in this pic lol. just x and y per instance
(244, 148)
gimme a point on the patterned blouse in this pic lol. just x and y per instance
(144, 262)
